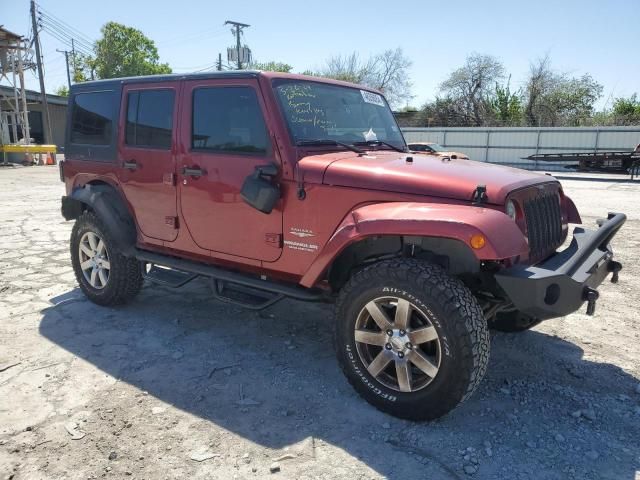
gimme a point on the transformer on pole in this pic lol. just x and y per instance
(238, 54)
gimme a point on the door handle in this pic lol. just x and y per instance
(192, 172)
(132, 165)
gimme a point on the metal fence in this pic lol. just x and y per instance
(509, 145)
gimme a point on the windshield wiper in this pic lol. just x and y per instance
(327, 141)
(380, 142)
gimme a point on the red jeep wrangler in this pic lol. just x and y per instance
(273, 185)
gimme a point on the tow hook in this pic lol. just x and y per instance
(614, 267)
(590, 295)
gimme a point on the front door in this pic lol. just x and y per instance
(147, 156)
(224, 138)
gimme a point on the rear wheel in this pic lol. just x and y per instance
(105, 275)
(411, 339)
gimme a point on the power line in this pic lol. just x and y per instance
(76, 33)
(207, 69)
(64, 33)
(192, 68)
(64, 36)
(64, 30)
(67, 35)
(64, 40)
(178, 40)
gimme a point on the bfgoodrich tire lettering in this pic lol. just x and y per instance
(445, 320)
(124, 278)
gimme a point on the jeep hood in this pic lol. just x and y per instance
(425, 175)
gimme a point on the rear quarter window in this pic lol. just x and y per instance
(92, 123)
(92, 118)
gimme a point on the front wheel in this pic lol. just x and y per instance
(411, 339)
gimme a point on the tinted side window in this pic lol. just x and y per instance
(228, 119)
(91, 120)
(150, 118)
(132, 114)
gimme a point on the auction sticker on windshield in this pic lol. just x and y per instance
(371, 97)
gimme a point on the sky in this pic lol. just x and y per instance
(586, 36)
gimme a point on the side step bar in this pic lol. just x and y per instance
(291, 291)
(168, 277)
(243, 296)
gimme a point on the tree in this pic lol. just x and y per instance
(123, 52)
(540, 82)
(82, 69)
(386, 71)
(626, 111)
(391, 75)
(272, 66)
(62, 91)
(471, 86)
(444, 112)
(506, 106)
(627, 106)
(555, 99)
(572, 100)
(348, 68)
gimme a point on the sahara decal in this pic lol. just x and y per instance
(301, 232)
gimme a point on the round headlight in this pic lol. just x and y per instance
(511, 209)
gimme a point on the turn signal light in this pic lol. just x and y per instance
(478, 241)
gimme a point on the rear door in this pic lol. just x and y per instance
(147, 155)
(225, 137)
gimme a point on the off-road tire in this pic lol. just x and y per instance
(452, 310)
(512, 322)
(125, 276)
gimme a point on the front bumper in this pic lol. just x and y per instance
(561, 284)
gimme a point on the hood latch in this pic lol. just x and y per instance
(480, 195)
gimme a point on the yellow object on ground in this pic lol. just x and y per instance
(29, 150)
(16, 148)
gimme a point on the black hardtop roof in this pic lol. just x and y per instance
(106, 83)
(116, 83)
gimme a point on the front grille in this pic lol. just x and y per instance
(544, 224)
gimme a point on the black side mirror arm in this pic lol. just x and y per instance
(269, 170)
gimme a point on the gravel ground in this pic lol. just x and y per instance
(177, 385)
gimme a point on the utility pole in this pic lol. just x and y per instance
(237, 30)
(43, 94)
(66, 58)
(25, 113)
(219, 62)
(73, 57)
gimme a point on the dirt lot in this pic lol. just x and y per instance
(148, 390)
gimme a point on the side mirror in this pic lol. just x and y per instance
(258, 191)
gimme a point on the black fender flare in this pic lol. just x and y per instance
(109, 206)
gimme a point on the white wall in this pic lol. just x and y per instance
(509, 145)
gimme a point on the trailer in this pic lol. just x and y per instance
(614, 161)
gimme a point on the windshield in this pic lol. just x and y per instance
(437, 148)
(321, 111)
